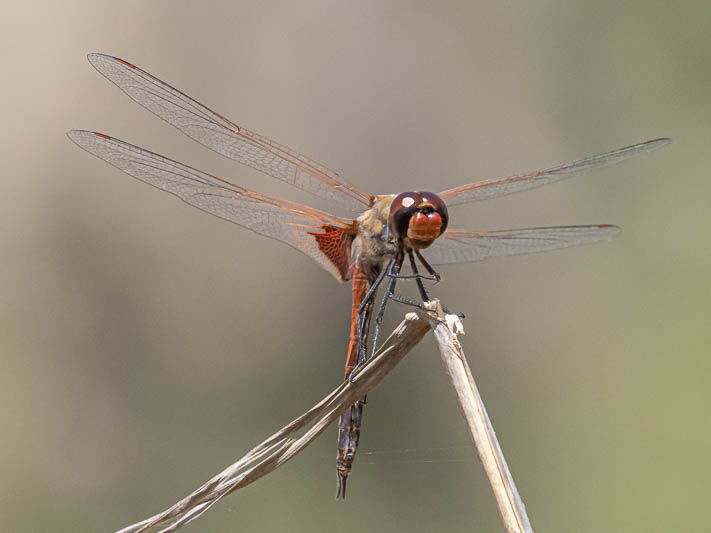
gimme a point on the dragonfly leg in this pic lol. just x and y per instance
(362, 318)
(393, 271)
(401, 300)
(433, 273)
(363, 326)
(428, 267)
(420, 285)
(414, 276)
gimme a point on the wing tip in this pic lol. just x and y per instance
(609, 231)
(95, 57)
(660, 142)
(98, 61)
(80, 133)
(75, 135)
(84, 138)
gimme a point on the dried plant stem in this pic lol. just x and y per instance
(294, 437)
(511, 508)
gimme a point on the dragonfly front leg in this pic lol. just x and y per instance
(417, 276)
(405, 301)
(435, 275)
(432, 273)
(420, 285)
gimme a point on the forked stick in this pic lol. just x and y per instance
(294, 437)
(511, 508)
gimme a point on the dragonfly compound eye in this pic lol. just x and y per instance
(419, 217)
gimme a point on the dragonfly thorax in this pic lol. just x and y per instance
(374, 242)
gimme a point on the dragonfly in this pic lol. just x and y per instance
(367, 244)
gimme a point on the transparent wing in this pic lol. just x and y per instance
(302, 227)
(225, 137)
(461, 246)
(493, 188)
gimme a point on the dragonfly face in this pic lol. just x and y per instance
(418, 218)
(390, 229)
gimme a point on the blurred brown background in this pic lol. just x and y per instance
(146, 345)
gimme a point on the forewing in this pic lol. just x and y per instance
(225, 137)
(319, 235)
(493, 188)
(460, 246)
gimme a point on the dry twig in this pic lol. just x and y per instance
(294, 437)
(511, 508)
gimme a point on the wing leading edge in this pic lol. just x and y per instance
(496, 187)
(461, 246)
(220, 134)
(309, 230)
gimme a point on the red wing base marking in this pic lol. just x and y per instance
(335, 244)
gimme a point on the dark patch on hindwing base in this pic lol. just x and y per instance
(335, 244)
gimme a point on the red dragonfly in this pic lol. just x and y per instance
(365, 249)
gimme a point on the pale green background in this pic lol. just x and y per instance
(146, 345)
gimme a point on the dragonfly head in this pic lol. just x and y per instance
(418, 218)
